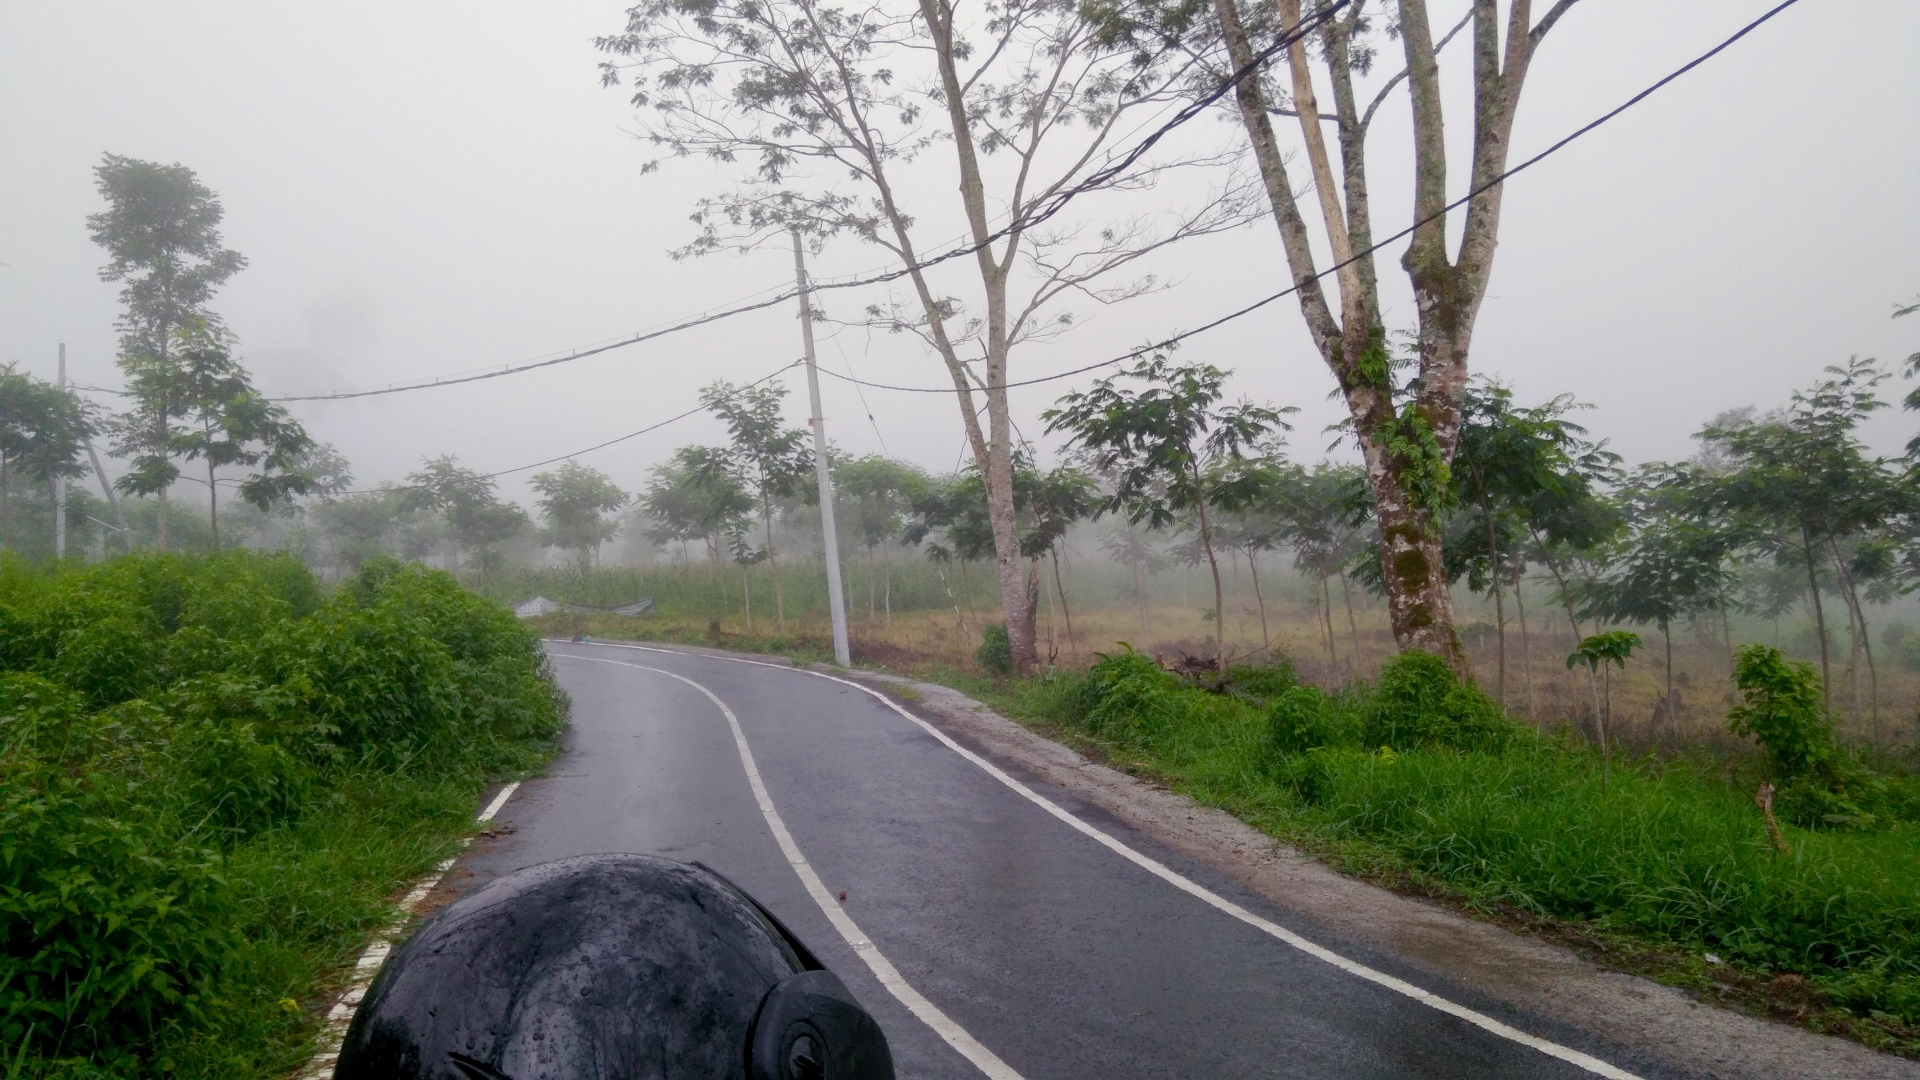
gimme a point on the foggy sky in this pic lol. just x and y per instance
(433, 187)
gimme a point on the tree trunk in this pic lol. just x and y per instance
(213, 508)
(1526, 641)
(1499, 599)
(1353, 624)
(1865, 639)
(773, 561)
(1819, 621)
(1326, 616)
(1073, 648)
(1266, 638)
(746, 593)
(1206, 543)
(1673, 715)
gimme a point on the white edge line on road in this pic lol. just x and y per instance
(929, 1014)
(1352, 967)
(368, 965)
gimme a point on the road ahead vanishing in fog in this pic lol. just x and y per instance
(1031, 949)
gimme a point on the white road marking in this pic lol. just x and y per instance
(929, 1014)
(1156, 868)
(367, 966)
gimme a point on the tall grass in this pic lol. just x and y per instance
(212, 778)
(1670, 851)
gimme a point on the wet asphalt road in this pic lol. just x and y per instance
(1058, 955)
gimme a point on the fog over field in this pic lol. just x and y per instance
(431, 187)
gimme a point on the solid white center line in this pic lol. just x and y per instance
(929, 1014)
(1193, 888)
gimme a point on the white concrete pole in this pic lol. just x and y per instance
(60, 483)
(829, 535)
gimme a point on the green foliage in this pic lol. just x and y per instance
(160, 716)
(995, 652)
(1781, 707)
(1419, 702)
(1418, 462)
(1302, 718)
(1611, 649)
(1673, 853)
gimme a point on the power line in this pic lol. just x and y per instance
(1370, 249)
(1054, 205)
(704, 405)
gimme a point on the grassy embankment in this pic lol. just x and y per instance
(1425, 786)
(215, 780)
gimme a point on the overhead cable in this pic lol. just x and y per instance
(1052, 206)
(1370, 249)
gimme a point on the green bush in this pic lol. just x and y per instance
(160, 714)
(1418, 702)
(995, 652)
(1781, 708)
(1302, 718)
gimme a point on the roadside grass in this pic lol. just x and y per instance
(1653, 865)
(216, 780)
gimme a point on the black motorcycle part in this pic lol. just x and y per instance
(810, 1028)
(599, 967)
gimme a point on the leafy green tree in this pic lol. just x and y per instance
(575, 501)
(228, 423)
(1675, 561)
(878, 493)
(161, 231)
(42, 428)
(696, 495)
(475, 518)
(361, 526)
(1162, 444)
(774, 459)
(956, 517)
(1604, 652)
(1127, 545)
(1518, 473)
(1802, 475)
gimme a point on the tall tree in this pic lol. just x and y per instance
(475, 518)
(161, 230)
(1407, 439)
(575, 501)
(1675, 561)
(696, 495)
(831, 109)
(879, 493)
(774, 459)
(42, 430)
(1163, 444)
(228, 423)
(1518, 473)
(1804, 474)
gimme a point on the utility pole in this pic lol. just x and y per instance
(830, 537)
(60, 482)
(106, 486)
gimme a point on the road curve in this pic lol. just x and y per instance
(1017, 939)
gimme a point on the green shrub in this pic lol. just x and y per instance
(995, 652)
(162, 715)
(1302, 718)
(1418, 702)
(1781, 708)
(1260, 684)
